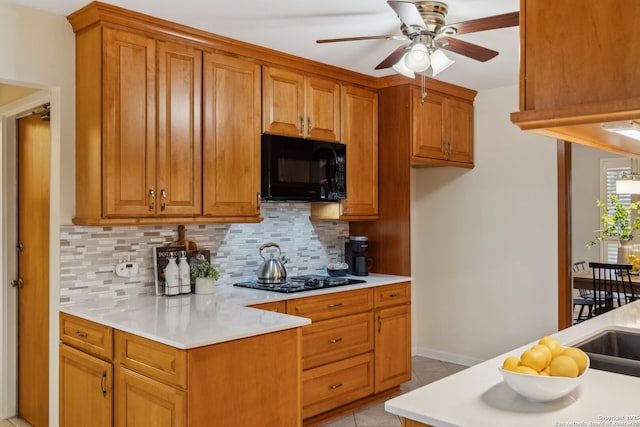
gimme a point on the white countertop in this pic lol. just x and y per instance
(477, 396)
(189, 321)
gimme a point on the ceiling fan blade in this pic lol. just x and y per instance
(407, 12)
(351, 39)
(470, 50)
(393, 58)
(483, 24)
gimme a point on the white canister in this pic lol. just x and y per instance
(172, 277)
(185, 274)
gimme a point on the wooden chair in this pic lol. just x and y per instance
(611, 286)
(586, 298)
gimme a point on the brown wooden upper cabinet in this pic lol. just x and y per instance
(360, 133)
(231, 131)
(442, 130)
(128, 165)
(577, 70)
(165, 132)
(299, 105)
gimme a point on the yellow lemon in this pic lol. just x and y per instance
(521, 369)
(545, 350)
(563, 366)
(510, 363)
(534, 359)
(553, 345)
(579, 356)
(545, 371)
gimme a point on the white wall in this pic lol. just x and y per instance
(37, 50)
(484, 242)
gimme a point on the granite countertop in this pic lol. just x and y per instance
(189, 321)
(478, 396)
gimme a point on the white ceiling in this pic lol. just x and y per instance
(293, 26)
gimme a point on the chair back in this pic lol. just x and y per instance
(611, 286)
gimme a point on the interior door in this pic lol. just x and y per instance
(33, 269)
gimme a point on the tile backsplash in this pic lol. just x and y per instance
(88, 254)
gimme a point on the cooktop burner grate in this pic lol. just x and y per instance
(302, 283)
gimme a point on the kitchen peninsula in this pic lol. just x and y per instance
(478, 396)
(192, 358)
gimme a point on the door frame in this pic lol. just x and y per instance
(8, 255)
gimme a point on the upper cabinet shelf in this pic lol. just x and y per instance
(578, 70)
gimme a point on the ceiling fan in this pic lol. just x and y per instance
(423, 24)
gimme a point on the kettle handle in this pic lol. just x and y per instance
(270, 245)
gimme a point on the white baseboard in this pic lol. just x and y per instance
(459, 359)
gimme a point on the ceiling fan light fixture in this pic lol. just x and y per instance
(401, 68)
(417, 59)
(440, 62)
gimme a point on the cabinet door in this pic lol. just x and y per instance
(282, 102)
(179, 158)
(129, 126)
(231, 136)
(427, 125)
(141, 401)
(459, 118)
(86, 389)
(322, 109)
(393, 346)
(359, 109)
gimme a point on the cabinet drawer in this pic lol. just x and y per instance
(88, 336)
(329, 386)
(388, 295)
(277, 306)
(151, 358)
(332, 305)
(334, 339)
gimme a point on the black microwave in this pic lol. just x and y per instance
(299, 169)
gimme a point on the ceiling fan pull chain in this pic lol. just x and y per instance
(422, 86)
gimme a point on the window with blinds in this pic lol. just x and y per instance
(611, 170)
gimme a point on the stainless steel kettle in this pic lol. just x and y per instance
(272, 270)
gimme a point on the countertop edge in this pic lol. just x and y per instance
(191, 321)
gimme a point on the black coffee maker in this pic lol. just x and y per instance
(355, 254)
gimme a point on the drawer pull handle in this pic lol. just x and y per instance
(379, 324)
(394, 295)
(81, 334)
(335, 340)
(338, 304)
(103, 383)
(335, 386)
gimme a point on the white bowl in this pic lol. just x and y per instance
(539, 388)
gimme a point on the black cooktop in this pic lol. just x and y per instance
(302, 283)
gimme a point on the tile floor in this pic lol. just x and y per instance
(14, 422)
(425, 370)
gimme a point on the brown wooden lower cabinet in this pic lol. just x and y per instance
(141, 401)
(411, 423)
(357, 349)
(252, 382)
(329, 386)
(86, 389)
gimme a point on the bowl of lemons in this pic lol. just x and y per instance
(546, 371)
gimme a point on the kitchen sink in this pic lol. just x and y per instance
(613, 351)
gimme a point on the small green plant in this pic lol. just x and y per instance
(619, 224)
(204, 269)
